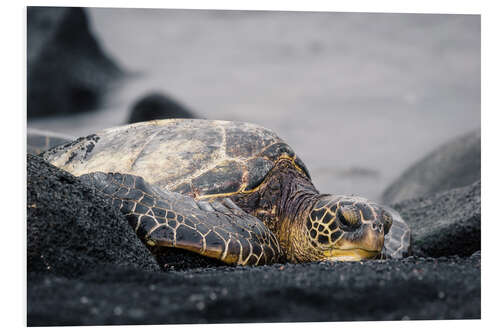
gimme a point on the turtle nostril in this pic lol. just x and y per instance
(377, 226)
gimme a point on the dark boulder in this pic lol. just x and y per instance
(455, 164)
(71, 230)
(157, 106)
(447, 223)
(67, 68)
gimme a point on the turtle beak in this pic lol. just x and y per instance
(366, 244)
(354, 254)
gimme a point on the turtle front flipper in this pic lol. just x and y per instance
(397, 242)
(217, 229)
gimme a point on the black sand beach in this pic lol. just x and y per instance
(86, 268)
(413, 288)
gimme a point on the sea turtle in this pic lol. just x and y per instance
(228, 190)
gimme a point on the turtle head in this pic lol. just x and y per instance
(347, 228)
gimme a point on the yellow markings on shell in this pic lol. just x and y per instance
(286, 157)
(241, 190)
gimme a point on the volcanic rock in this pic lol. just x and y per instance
(455, 164)
(67, 69)
(72, 230)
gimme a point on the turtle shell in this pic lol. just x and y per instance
(190, 156)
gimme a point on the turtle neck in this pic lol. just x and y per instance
(282, 201)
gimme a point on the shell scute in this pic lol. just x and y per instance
(225, 177)
(246, 140)
(146, 223)
(257, 169)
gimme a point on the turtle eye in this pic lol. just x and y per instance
(348, 218)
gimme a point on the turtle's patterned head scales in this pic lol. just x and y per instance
(347, 228)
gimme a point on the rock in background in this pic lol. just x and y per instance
(447, 223)
(455, 164)
(157, 106)
(67, 69)
(72, 230)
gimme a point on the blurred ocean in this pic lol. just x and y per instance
(359, 97)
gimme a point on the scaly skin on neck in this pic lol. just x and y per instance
(283, 202)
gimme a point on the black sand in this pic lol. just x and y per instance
(97, 281)
(414, 288)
